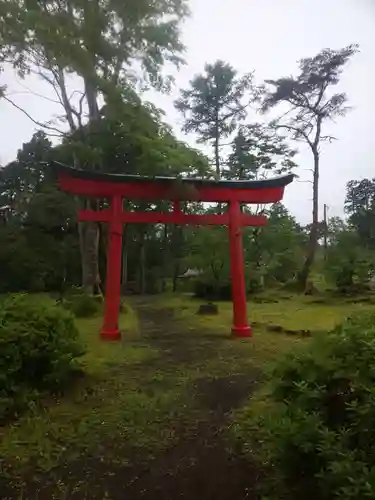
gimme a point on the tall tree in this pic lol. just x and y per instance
(215, 103)
(100, 42)
(360, 206)
(310, 105)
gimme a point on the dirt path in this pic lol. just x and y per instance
(200, 466)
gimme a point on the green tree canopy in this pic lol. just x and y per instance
(257, 150)
(214, 104)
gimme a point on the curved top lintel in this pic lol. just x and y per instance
(275, 182)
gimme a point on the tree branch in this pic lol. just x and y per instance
(68, 108)
(298, 131)
(29, 91)
(36, 122)
(329, 138)
(78, 113)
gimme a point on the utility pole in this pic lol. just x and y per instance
(325, 231)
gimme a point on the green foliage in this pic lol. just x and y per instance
(273, 254)
(319, 432)
(214, 104)
(258, 150)
(349, 263)
(39, 241)
(360, 205)
(307, 92)
(132, 138)
(208, 252)
(281, 244)
(82, 306)
(207, 289)
(97, 43)
(39, 249)
(39, 347)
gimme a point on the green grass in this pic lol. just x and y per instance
(105, 406)
(293, 312)
(101, 355)
(126, 407)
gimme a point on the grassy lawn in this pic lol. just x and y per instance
(141, 397)
(290, 312)
(104, 407)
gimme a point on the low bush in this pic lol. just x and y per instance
(293, 286)
(84, 306)
(212, 291)
(80, 303)
(39, 347)
(319, 431)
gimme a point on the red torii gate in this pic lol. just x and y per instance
(116, 187)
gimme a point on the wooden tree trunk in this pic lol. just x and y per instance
(89, 249)
(313, 237)
(91, 253)
(125, 255)
(90, 242)
(88, 232)
(165, 259)
(142, 263)
(217, 159)
(85, 279)
(177, 244)
(176, 273)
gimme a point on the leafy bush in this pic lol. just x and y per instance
(209, 290)
(320, 432)
(204, 289)
(349, 264)
(84, 306)
(38, 349)
(81, 304)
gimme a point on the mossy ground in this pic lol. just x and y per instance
(151, 415)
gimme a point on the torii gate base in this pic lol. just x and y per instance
(116, 187)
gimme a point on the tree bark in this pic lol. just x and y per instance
(165, 259)
(217, 158)
(176, 272)
(91, 98)
(60, 78)
(91, 253)
(91, 280)
(125, 254)
(85, 280)
(177, 245)
(313, 237)
(142, 263)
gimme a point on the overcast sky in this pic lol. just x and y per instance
(267, 36)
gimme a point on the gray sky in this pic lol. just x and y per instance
(267, 36)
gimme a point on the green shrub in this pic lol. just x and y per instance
(81, 304)
(320, 432)
(84, 306)
(204, 289)
(38, 350)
